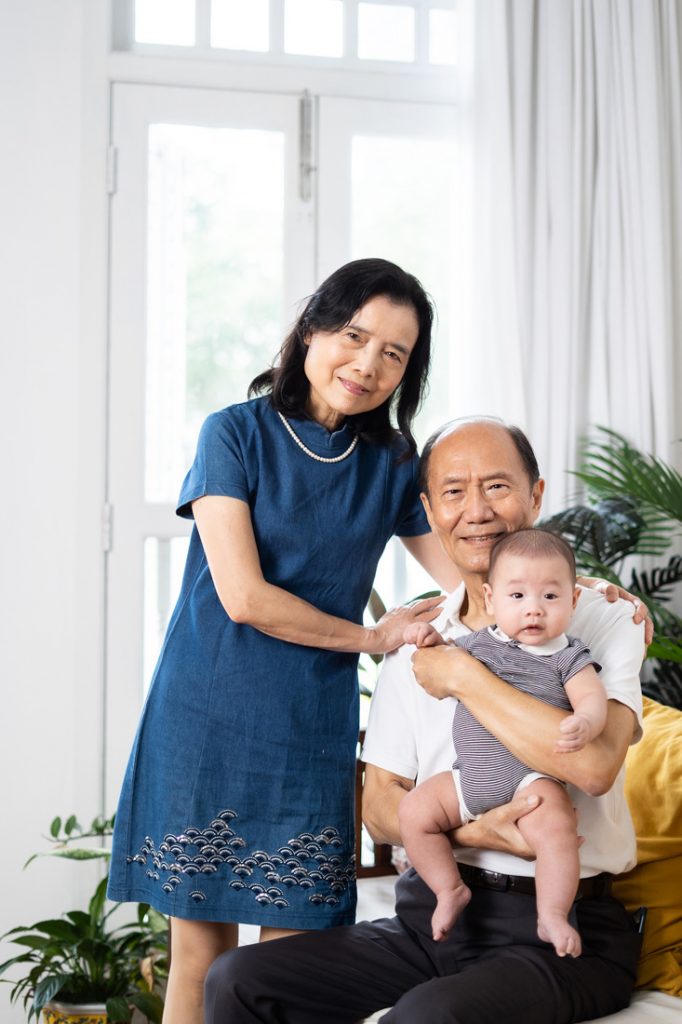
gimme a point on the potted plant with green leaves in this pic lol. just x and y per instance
(82, 968)
(632, 507)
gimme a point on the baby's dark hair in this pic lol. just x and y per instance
(533, 543)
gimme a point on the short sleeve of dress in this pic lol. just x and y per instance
(574, 657)
(219, 465)
(412, 521)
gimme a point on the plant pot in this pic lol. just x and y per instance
(71, 1013)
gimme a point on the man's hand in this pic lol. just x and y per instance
(434, 668)
(497, 828)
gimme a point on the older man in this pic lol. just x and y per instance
(480, 481)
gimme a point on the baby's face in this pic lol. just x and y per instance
(532, 599)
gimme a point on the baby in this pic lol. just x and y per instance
(531, 592)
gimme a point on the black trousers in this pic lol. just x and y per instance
(492, 969)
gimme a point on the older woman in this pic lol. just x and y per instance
(237, 805)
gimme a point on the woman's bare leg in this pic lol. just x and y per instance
(551, 831)
(426, 814)
(195, 945)
(267, 934)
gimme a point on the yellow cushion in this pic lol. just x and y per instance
(653, 786)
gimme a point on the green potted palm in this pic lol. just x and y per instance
(632, 507)
(82, 968)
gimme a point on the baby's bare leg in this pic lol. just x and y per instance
(551, 831)
(426, 814)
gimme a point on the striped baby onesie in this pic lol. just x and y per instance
(489, 774)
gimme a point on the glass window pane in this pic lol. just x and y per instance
(442, 37)
(164, 561)
(314, 27)
(386, 32)
(241, 26)
(409, 216)
(214, 282)
(168, 22)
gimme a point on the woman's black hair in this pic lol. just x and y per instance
(330, 309)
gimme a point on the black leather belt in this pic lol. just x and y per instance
(588, 888)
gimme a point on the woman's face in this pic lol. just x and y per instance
(355, 369)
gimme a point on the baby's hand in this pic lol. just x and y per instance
(422, 634)
(575, 732)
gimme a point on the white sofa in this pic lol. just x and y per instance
(646, 1008)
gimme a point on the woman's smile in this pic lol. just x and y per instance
(353, 387)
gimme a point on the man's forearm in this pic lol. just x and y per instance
(526, 726)
(381, 797)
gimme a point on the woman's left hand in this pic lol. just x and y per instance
(612, 592)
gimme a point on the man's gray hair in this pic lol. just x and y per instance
(521, 443)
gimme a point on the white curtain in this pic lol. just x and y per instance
(576, 316)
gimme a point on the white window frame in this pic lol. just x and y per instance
(123, 40)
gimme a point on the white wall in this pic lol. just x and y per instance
(53, 131)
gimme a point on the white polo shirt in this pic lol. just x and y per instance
(410, 733)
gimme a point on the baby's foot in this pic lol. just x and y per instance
(450, 905)
(554, 928)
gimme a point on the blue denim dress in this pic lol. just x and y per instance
(237, 803)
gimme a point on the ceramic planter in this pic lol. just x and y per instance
(70, 1013)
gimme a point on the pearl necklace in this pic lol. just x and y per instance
(318, 458)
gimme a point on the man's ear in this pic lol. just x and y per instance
(488, 595)
(427, 508)
(536, 498)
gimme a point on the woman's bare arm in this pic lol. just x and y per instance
(226, 532)
(427, 550)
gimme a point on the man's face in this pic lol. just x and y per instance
(478, 491)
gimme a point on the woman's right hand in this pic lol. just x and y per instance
(387, 635)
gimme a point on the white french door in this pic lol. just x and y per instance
(211, 248)
(218, 230)
(390, 185)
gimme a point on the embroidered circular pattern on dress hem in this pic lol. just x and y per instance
(307, 861)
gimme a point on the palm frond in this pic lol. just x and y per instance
(658, 583)
(614, 467)
(666, 648)
(666, 685)
(602, 535)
